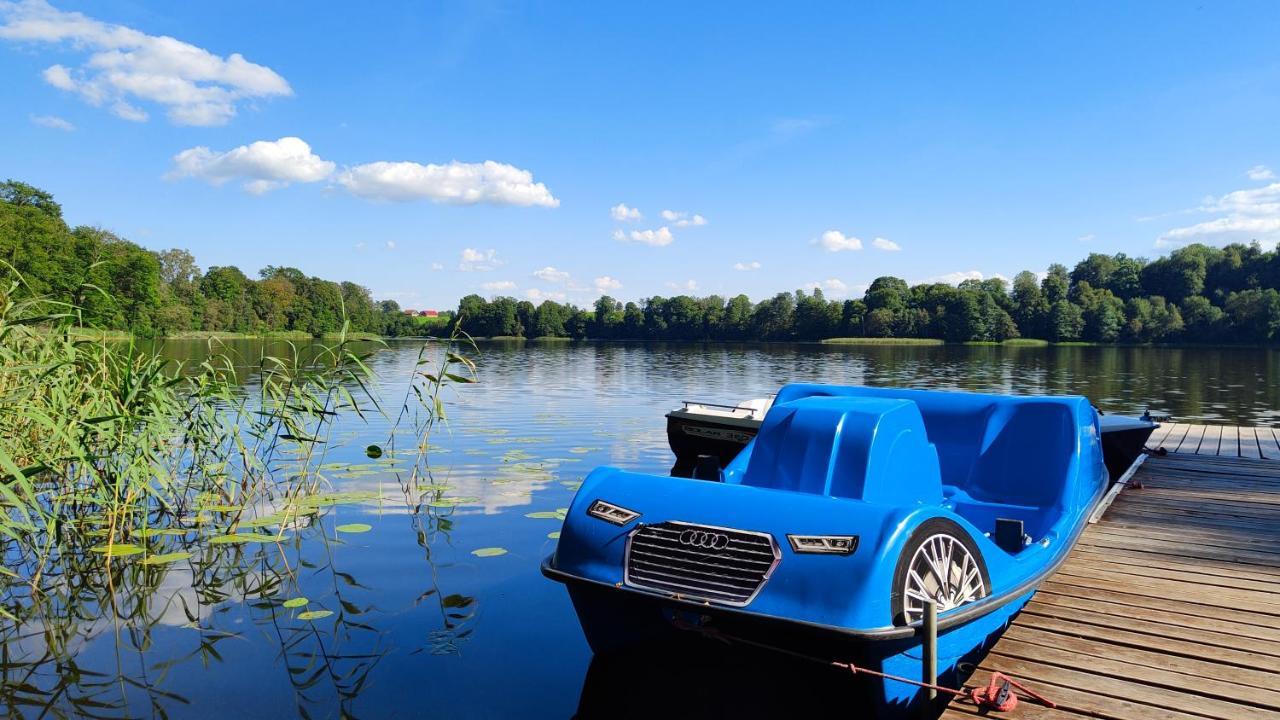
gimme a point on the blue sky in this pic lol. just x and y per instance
(974, 138)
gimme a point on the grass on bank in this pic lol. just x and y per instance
(881, 341)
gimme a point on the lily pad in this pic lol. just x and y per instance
(237, 538)
(297, 602)
(155, 532)
(314, 614)
(118, 550)
(260, 537)
(373, 451)
(580, 450)
(546, 515)
(489, 552)
(354, 528)
(554, 534)
(166, 558)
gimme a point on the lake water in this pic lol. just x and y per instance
(421, 625)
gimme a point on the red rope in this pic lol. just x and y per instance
(997, 695)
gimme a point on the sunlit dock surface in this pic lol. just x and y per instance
(1169, 606)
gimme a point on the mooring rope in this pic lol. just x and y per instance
(997, 695)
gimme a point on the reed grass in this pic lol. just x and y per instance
(105, 442)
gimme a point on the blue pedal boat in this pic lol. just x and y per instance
(827, 533)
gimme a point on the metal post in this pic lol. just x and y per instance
(929, 649)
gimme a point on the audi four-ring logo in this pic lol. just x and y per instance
(704, 539)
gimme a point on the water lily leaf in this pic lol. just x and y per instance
(354, 528)
(265, 520)
(166, 558)
(571, 484)
(489, 552)
(545, 515)
(119, 550)
(554, 534)
(580, 450)
(373, 451)
(297, 602)
(228, 539)
(260, 537)
(454, 501)
(314, 614)
(155, 532)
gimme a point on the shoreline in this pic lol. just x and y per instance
(193, 335)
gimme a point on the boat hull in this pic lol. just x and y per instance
(619, 623)
(692, 437)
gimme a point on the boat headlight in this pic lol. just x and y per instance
(824, 544)
(611, 513)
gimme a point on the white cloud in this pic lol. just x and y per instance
(1252, 214)
(831, 286)
(538, 295)
(391, 244)
(682, 219)
(551, 275)
(455, 183)
(498, 285)
(605, 284)
(835, 241)
(686, 286)
(657, 238)
(885, 244)
(360, 245)
(1261, 172)
(263, 166)
(753, 265)
(473, 260)
(622, 213)
(195, 86)
(437, 267)
(52, 121)
(1086, 238)
(955, 278)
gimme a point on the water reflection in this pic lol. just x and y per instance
(420, 625)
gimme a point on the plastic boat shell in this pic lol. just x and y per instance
(891, 470)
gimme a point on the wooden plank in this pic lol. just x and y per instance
(1249, 447)
(1211, 441)
(1147, 667)
(1177, 563)
(1159, 434)
(1260, 669)
(1170, 605)
(1230, 446)
(1269, 442)
(1191, 441)
(1053, 679)
(1208, 630)
(1174, 438)
(1142, 602)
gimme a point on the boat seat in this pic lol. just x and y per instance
(861, 448)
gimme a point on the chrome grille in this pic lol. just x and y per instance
(700, 561)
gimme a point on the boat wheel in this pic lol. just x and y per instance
(939, 563)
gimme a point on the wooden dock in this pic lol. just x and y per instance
(1169, 607)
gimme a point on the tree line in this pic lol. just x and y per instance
(118, 285)
(1194, 294)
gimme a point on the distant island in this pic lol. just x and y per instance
(1195, 294)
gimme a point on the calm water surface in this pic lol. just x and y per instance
(424, 628)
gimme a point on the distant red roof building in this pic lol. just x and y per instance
(410, 312)
(429, 313)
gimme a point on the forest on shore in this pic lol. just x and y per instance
(1195, 294)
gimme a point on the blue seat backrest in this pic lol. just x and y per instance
(872, 449)
(996, 448)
